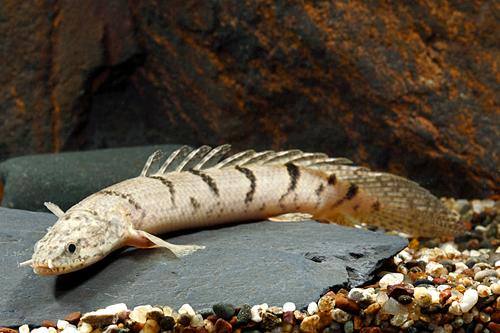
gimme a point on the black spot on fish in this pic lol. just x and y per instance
(253, 182)
(332, 179)
(208, 180)
(194, 203)
(352, 191)
(168, 184)
(376, 206)
(320, 189)
(355, 207)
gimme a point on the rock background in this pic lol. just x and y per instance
(407, 87)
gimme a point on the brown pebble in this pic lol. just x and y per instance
(48, 323)
(371, 330)
(289, 318)
(439, 280)
(222, 326)
(73, 317)
(233, 320)
(372, 308)
(469, 272)
(495, 317)
(201, 330)
(494, 327)
(213, 318)
(346, 304)
(397, 290)
(358, 322)
(444, 295)
(7, 330)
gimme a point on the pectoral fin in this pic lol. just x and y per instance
(142, 239)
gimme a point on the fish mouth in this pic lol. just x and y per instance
(44, 269)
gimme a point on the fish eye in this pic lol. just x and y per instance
(71, 247)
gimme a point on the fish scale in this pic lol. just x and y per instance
(198, 188)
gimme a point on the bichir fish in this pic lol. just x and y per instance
(202, 187)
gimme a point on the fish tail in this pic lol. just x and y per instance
(388, 201)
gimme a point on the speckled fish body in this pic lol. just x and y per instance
(195, 189)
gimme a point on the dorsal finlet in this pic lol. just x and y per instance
(152, 158)
(54, 209)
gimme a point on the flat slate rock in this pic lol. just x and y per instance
(63, 178)
(247, 263)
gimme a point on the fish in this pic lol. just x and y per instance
(204, 187)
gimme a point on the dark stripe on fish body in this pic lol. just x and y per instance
(208, 180)
(127, 197)
(168, 184)
(253, 182)
(332, 179)
(194, 203)
(376, 206)
(294, 173)
(352, 191)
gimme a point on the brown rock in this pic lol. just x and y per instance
(397, 290)
(495, 317)
(7, 330)
(48, 323)
(346, 304)
(371, 330)
(402, 87)
(494, 327)
(73, 317)
(222, 326)
(372, 308)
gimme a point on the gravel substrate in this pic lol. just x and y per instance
(433, 285)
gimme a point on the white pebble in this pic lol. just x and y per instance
(53, 330)
(434, 295)
(85, 327)
(422, 296)
(116, 308)
(450, 249)
(289, 306)
(362, 295)
(70, 329)
(186, 309)
(390, 279)
(24, 329)
(483, 291)
(61, 324)
(495, 288)
(497, 263)
(139, 313)
(479, 276)
(256, 317)
(469, 300)
(435, 269)
(312, 308)
(197, 321)
(340, 316)
(393, 307)
(40, 330)
(460, 267)
(455, 308)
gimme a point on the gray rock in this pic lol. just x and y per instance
(63, 178)
(247, 263)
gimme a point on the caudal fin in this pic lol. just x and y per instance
(394, 203)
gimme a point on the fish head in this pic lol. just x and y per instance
(77, 240)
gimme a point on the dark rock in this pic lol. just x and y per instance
(167, 323)
(113, 73)
(252, 263)
(63, 179)
(245, 314)
(224, 311)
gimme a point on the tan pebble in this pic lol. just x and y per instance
(399, 319)
(73, 317)
(371, 330)
(209, 326)
(85, 328)
(358, 322)
(373, 308)
(310, 324)
(151, 326)
(495, 288)
(52, 330)
(346, 304)
(325, 318)
(484, 317)
(455, 309)
(298, 315)
(186, 309)
(390, 278)
(422, 296)
(326, 302)
(197, 321)
(7, 330)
